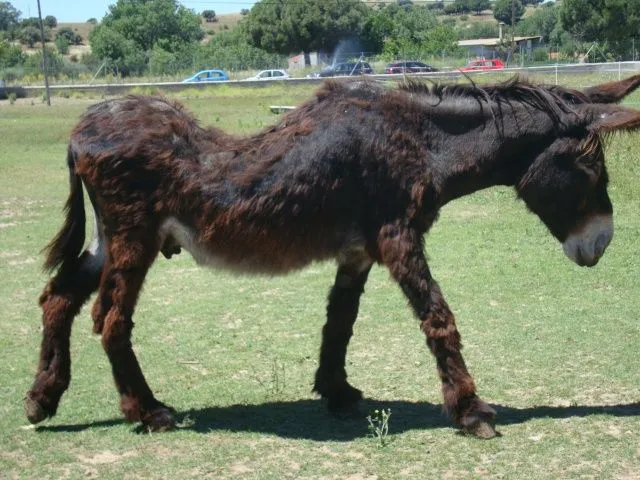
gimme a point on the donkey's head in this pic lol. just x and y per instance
(566, 184)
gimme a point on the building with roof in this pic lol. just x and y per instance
(489, 47)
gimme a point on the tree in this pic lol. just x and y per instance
(62, 45)
(29, 35)
(9, 16)
(397, 32)
(132, 28)
(508, 11)
(479, 5)
(150, 22)
(209, 16)
(611, 21)
(121, 54)
(542, 22)
(10, 55)
(462, 6)
(50, 21)
(92, 21)
(72, 37)
(285, 27)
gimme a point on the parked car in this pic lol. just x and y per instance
(270, 75)
(207, 76)
(5, 91)
(409, 66)
(344, 69)
(483, 64)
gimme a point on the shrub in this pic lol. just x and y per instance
(209, 16)
(50, 21)
(540, 55)
(29, 35)
(62, 44)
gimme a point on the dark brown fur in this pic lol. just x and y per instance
(358, 173)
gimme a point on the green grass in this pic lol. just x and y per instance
(554, 347)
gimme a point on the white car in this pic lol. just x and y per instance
(270, 75)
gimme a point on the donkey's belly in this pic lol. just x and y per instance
(225, 254)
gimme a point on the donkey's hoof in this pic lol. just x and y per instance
(478, 419)
(160, 420)
(35, 412)
(482, 430)
(343, 401)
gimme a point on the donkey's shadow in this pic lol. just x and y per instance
(307, 419)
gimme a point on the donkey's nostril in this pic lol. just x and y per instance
(601, 243)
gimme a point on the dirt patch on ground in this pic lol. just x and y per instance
(105, 458)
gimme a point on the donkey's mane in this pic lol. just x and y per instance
(553, 100)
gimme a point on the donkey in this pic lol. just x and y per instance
(357, 174)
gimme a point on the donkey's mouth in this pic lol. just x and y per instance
(586, 246)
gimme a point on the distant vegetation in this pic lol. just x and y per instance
(162, 37)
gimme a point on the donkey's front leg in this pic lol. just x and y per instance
(342, 310)
(401, 249)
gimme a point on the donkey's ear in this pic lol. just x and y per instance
(604, 119)
(612, 92)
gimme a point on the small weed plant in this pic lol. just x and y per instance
(379, 425)
(12, 98)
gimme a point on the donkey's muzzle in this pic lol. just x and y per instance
(587, 245)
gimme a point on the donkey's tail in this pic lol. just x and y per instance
(67, 244)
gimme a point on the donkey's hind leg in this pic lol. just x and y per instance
(61, 301)
(342, 310)
(130, 256)
(401, 249)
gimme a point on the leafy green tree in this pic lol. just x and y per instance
(209, 15)
(132, 28)
(601, 19)
(479, 5)
(478, 30)
(121, 54)
(34, 63)
(10, 55)
(92, 21)
(62, 45)
(150, 22)
(544, 21)
(285, 27)
(462, 6)
(72, 37)
(29, 36)
(30, 22)
(9, 16)
(50, 21)
(611, 22)
(230, 50)
(508, 11)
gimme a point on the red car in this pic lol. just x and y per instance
(483, 64)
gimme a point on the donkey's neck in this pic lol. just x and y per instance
(475, 161)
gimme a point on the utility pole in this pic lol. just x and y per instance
(513, 25)
(44, 57)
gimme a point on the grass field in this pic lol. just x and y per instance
(554, 347)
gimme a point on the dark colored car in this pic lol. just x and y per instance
(5, 91)
(345, 69)
(409, 66)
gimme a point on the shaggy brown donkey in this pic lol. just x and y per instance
(358, 174)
